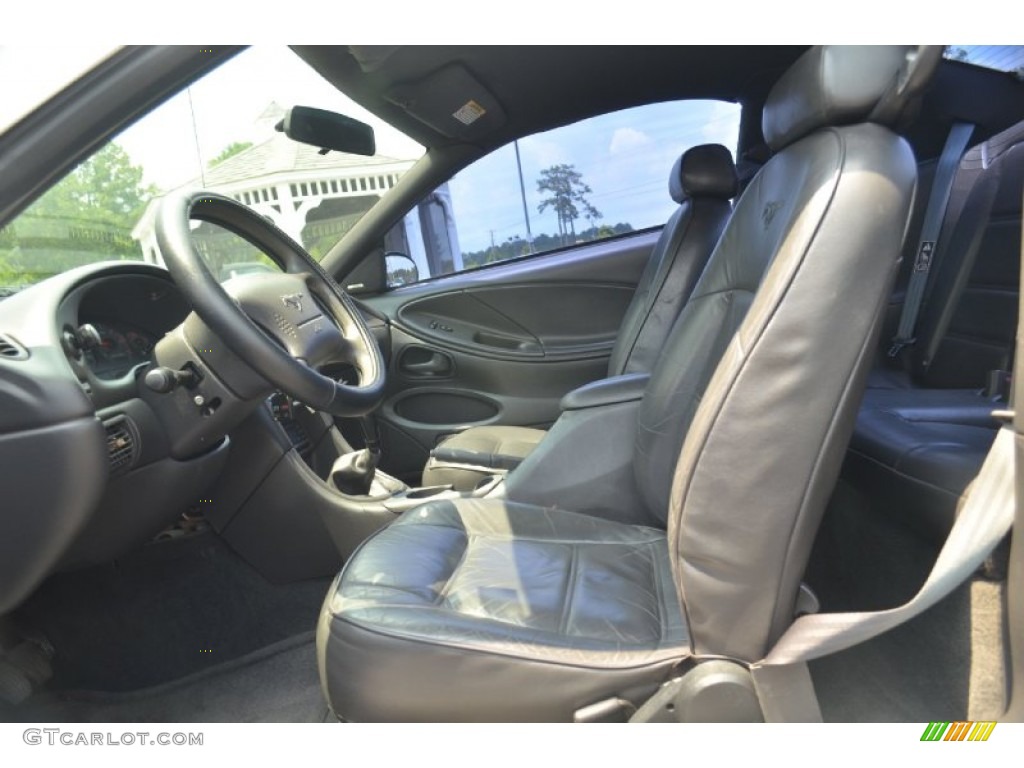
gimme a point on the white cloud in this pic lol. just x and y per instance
(723, 125)
(626, 139)
(541, 152)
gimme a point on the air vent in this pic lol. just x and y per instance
(120, 444)
(10, 349)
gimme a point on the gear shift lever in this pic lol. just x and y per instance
(352, 473)
(370, 435)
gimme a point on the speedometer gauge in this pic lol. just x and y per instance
(120, 349)
(140, 344)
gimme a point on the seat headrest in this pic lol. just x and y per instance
(843, 84)
(704, 171)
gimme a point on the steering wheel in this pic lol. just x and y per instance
(284, 325)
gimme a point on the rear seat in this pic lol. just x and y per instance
(924, 429)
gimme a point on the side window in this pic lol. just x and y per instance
(598, 178)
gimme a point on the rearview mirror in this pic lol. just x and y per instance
(327, 131)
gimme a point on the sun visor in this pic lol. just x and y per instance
(452, 102)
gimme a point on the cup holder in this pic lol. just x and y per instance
(427, 492)
(486, 484)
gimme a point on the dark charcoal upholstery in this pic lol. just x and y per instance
(924, 430)
(502, 601)
(702, 181)
(489, 610)
(917, 450)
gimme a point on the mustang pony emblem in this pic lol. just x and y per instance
(293, 300)
(769, 212)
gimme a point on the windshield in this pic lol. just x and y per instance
(217, 135)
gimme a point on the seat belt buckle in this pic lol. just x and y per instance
(998, 385)
(898, 345)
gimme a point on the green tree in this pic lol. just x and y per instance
(107, 188)
(230, 150)
(86, 217)
(567, 198)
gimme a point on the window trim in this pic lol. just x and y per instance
(527, 257)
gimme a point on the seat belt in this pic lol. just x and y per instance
(981, 189)
(942, 185)
(782, 679)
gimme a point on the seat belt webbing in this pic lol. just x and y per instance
(782, 679)
(942, 185)
(981, 189)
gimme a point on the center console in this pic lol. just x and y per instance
(585, 462)
(278, 503)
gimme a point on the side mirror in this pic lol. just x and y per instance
(328, 130)
(401, 269)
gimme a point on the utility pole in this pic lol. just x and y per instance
(522, 192)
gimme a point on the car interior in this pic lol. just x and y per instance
(619, 479)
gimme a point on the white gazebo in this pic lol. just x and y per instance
(287, 181)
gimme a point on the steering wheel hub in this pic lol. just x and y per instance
(283, 326)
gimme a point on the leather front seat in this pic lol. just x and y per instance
(702, 182)
(493, 610)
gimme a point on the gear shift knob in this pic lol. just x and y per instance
(352, 473)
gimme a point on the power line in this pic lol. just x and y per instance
(195, 135)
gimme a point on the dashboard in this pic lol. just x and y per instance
(109, 325)
(89, 455)
(79, 449)
(116, 348)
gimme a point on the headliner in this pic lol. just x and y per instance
(542, 87)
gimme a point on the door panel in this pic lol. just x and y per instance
(524, 321)
(500, 345)
(420, 363)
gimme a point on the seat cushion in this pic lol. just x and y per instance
(466, 458)
(489, 610)
(916, 450)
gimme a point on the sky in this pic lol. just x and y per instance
(625, 157)
(227, 104)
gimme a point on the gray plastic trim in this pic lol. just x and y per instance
(585, 464)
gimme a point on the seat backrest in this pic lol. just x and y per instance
(748, 412)
(969, 317)
(702, 182)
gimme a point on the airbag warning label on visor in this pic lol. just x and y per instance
(469, 113)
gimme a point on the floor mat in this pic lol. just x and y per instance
(275, 684)
(920, 671)
(898, 678)
(165, 612)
